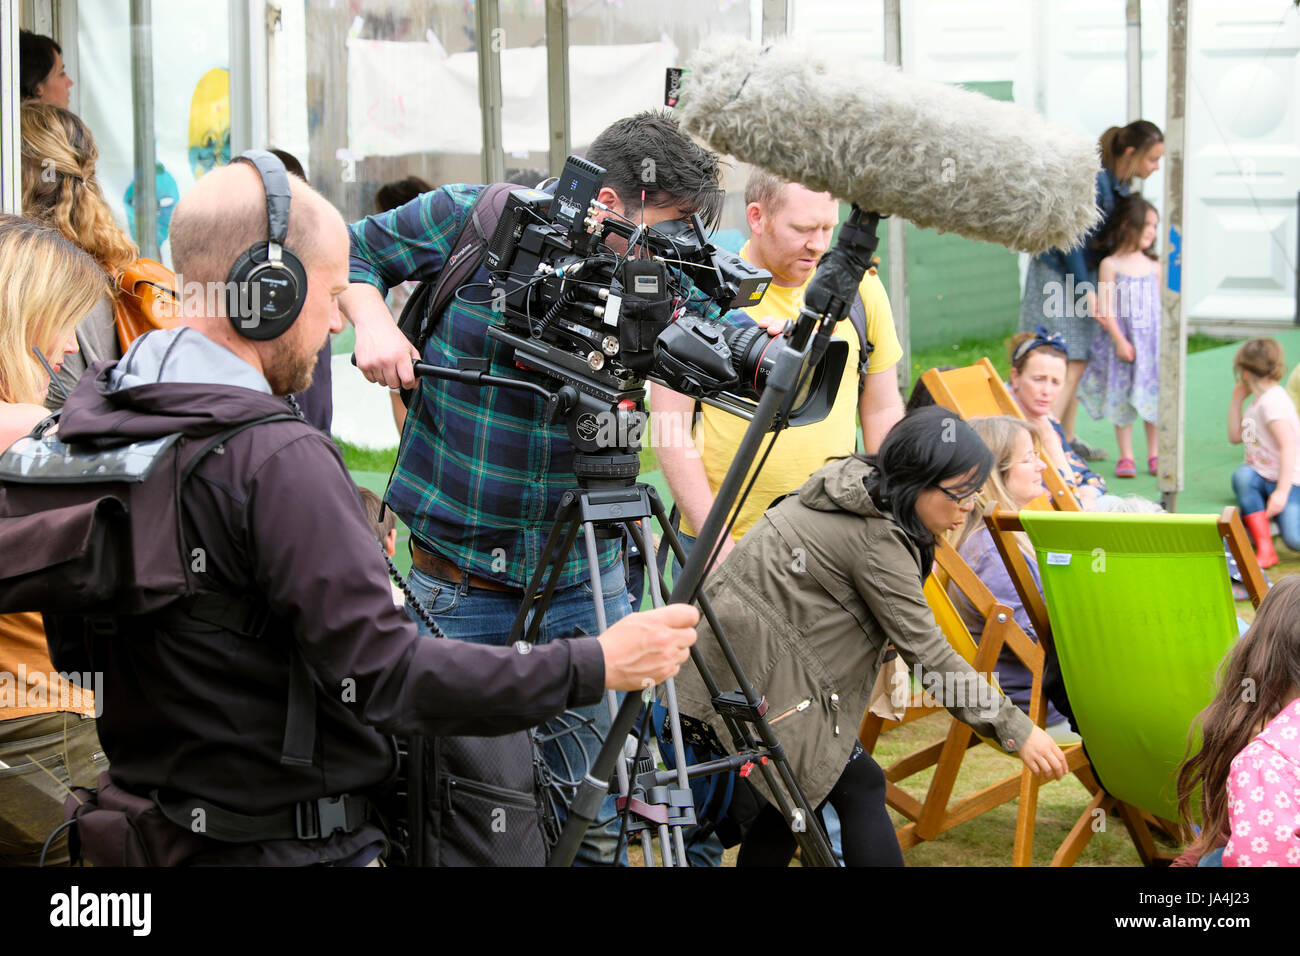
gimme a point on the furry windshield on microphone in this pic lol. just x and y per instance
(941, 157)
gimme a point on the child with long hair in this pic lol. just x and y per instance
(1248, 765)
(1122, 380)
(1267, 486)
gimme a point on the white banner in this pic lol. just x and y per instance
(411, 98)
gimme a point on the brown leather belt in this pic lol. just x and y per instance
(434, 566)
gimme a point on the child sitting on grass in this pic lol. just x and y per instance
(1267, 486)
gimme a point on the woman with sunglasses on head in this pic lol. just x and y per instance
(813, 596)
(1038, 372)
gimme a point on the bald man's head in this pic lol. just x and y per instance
(225, 213)
(217, 221)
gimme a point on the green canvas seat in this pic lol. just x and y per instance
(1141, 613)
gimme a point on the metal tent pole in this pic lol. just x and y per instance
(1173, 340)
(145, 200)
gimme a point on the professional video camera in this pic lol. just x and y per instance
(604, 321)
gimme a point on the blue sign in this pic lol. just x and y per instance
(1174, 273)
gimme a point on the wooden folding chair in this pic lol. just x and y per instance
(934, 815)
(977, 391)
(1140, 611)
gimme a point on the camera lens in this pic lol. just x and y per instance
(753, 354)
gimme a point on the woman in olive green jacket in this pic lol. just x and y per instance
(829, 578)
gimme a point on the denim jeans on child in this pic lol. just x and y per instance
(1252, 490)
(485, 617)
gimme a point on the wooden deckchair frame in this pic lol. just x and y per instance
(934, 815)
(1003, 524)
(977, 391)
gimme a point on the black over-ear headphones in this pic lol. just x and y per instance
(267, 285)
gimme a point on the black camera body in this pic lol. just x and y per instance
(606, 321)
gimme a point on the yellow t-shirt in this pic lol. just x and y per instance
(799, 451)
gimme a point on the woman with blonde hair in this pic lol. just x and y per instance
(47, 736)
(60, 190)
(1013, 483)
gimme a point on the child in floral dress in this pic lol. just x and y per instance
(1122, 380)
(1248, 767)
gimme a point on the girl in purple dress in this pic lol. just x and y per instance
(1122, 381)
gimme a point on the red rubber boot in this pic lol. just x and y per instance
(1257, 525)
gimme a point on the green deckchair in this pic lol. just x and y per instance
(1141, 613)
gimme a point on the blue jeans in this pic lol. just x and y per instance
(1252, 490)
(484, 617)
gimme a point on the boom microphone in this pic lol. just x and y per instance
(939, 156)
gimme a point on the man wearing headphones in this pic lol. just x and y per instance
(203, 701)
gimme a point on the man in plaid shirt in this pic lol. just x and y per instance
(480, 473)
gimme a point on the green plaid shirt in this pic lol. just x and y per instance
(480, 473)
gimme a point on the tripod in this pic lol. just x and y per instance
(605, 425)
(609, 498)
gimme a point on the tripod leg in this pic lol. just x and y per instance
(565, 526)
(598, 597)
(644, 539)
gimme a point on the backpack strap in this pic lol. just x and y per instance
(468, 252)
(192, 461)
(249, 619)
(305, 820)
(858, 316)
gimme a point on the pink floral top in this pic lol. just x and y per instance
(1264, 796)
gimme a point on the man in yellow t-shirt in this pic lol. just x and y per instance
(790, 229)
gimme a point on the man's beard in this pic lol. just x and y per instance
(289, 372)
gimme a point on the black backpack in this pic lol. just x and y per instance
(92, 534)
(96, 530)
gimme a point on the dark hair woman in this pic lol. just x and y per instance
(41, 73)
(817, 591)
(1055, 292)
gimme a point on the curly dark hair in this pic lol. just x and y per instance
(650, 152)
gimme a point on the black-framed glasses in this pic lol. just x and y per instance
(958, 499)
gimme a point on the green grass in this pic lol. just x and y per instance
(366, 459)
